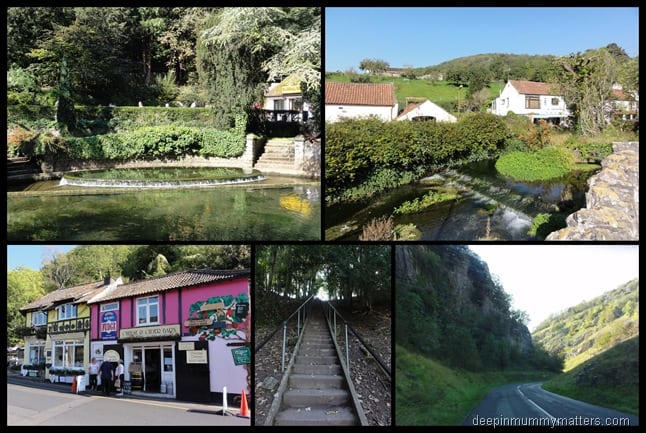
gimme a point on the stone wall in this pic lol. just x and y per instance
(612, 201)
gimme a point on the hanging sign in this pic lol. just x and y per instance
(241, 355)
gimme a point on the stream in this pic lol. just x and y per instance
(489, 204)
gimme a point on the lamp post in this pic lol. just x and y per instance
(459, 89)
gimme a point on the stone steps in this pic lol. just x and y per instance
(317, 393)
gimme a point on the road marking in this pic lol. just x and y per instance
(537, 406)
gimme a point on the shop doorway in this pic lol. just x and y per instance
(152, 369)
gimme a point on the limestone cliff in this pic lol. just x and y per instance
(447, 300)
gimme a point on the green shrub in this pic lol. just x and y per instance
(544, 164)
(545, 223)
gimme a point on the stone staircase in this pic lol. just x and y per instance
(317, 393)
(278, 157)
(21, 169)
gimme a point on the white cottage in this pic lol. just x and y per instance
(360, 100)
(427, 110)
(533, 99)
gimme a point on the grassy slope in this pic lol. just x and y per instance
(615, 373)
(428, 393)
(439, 92)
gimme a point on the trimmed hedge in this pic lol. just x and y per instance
(354, 149)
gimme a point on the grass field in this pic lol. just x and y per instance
(442, 93)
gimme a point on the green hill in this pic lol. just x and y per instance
(610, 379)
(591, 327)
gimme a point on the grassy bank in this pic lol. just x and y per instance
(610, 379)
(429, 393)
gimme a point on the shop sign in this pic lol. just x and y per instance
(214, 306)
(185, 345)
(111, 356)
(150, 332)
(70, 325)
(109, 325)
(189, 323)
(196, 357)
(241, 355)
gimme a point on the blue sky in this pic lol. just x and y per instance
(545, 279)
(429, 36)
(31, 256)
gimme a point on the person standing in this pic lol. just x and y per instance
(94, 372)
(119, 375)
(107, 377)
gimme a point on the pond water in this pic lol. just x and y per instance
(488, 202)
(276, 208)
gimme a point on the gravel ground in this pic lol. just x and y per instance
(371, 384)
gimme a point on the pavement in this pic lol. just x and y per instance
(14, 377)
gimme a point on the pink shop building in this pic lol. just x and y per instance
(184, 335)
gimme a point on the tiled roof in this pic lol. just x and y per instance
(535, 88)
(620, 95)
(378, 94)
(76, 294)
(176, 280)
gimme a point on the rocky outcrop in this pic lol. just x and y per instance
(461, 293)
(612, 201)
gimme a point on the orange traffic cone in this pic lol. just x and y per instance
(74, 385)
(244, 409)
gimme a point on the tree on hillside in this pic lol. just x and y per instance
(24, 285)
(586, 82)
(373, 66)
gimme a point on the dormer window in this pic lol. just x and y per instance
(38, 318)
(67, 311)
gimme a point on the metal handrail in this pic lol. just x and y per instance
(332, 320)
(299, 328)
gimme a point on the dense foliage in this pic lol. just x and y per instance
(357, 273)
(356, 149)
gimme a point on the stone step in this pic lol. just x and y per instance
(331, 369)
(316, 360)
(312, 351)
(316, 381)
(316, 397)
(316, 417)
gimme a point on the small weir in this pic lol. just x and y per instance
(159, 178)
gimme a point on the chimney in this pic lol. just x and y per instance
(107, 280)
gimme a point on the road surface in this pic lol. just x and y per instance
(527, 404)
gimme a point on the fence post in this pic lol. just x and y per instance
(284, 337)
(347, 344)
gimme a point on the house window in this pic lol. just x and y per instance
(532, 102)
(36, 353)
(555, 101)
(67, 311)
(38, 318)
(148, 311)
(279, 104)
(68, 353)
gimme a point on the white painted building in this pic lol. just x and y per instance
(427, 110)
(360, 100)
(532, 99)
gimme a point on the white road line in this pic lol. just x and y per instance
(535, 405)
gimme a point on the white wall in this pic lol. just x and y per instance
(333, 113)
(511, 100)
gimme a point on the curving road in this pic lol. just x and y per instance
(527, 404)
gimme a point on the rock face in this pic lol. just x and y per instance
(612, 201)
(465, 291)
